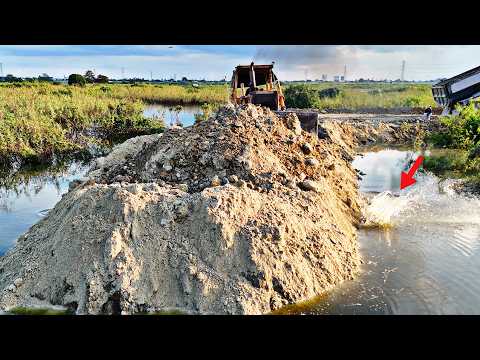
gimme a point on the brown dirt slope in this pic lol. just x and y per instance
(240, 214)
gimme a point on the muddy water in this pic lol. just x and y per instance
(25, 201)
(426, 257)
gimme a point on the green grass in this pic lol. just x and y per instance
(461, 133)
(37, 311)
(170, 94)
(39, 121)
(357, 96)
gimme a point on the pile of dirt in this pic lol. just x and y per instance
(398, 133)
(240, 214)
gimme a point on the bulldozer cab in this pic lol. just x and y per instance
(257, 84)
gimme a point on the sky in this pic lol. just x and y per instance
(214, 62)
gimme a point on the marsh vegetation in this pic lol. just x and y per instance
(358, 96)
(40, 121)
(462, 134)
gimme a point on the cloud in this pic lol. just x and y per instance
(215, 61)
(368, 61)
(307, 60)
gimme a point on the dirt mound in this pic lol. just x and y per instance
(240, 214)
(406, 132)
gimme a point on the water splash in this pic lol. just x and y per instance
(383, 209)
(427, 261)
(429, 201)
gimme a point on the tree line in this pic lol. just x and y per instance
(88, 77)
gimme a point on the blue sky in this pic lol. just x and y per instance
(213, 62)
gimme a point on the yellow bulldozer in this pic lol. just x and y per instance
(257, 84)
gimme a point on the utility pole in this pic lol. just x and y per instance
(345, 73)
(123, 73)
(402, 77)
(1, 69)
(151, 76)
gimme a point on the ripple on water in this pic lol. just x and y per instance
(427, 261)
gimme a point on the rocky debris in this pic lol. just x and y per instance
(312, 161)
(309, 185)
(407, 131)
(292, 123)
(223, 217)
(233, 179)
(307, 148)
(215, 181)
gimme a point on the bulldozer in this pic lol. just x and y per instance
(258, 85)
(249, 80)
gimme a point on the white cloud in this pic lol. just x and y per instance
(214, 62)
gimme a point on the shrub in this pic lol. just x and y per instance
(101, 79)
(76, 79)
(300, 96)
(412, 101)
(462, 130)
(329, 93)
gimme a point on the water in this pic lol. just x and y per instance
(30, 196)
(425, 260)
(185, 116)
(426, 257)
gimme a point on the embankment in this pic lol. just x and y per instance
(239, 214)
(369, 129)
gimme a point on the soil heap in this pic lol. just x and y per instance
(239, 214)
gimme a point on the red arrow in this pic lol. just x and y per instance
(407, 179)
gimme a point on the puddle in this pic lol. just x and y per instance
(186, 115)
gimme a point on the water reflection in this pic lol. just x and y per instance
(26, 196)
(170, 115)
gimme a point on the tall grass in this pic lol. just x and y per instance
(362, 96)
(38, 121)
(170, 94)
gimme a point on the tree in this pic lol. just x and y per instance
(11, 78)
(45, 77)
(89, 76)
(184, 78)
(101, 79)
(76, 79)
